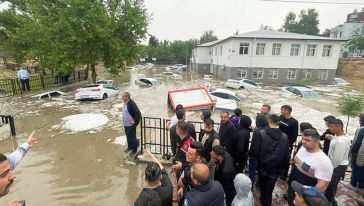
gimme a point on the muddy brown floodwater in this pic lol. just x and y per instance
(86, 168)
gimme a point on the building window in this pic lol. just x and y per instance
(260, 49)
(242, 73)
(273, 73)
(292, 73)
(276, 49)
(244, 48)
(295, 49)
(306, 74)
(220, 50)
(323, 73)
(311, 49)
(326, 51)
(258, 73)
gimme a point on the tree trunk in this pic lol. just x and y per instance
(93, 74)
(86, 71)
(347, 123)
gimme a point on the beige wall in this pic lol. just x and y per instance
(351, 67)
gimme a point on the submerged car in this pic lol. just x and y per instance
(226, 94)
(96, 91)
(171, 75)
(301, 91)
(48, 94)
(241, 84)
(144, 81)
(340, 81)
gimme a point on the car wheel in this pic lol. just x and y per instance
(242, 87)
(104, 96)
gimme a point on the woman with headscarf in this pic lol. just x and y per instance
(244, 195)
(240, 144)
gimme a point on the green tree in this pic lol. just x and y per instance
(67, 34)
(307, 23)
(351, 105)
(356, 41)
(208, 36)
(153, 41)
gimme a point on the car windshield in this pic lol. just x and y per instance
(310, 94)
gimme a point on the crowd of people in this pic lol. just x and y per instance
(225, 167)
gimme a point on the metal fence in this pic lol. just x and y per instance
(156, 137)
(8, 120)
(11, 87)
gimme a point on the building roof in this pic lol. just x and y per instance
(209, 43)
(267, 34)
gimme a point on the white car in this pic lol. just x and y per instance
(48, 94)
(147, 82)
(226, 94)
(171, 75)
(96, 91)
(241, 84)
(208, 77)
(301, 91)
(341, 81)
(180, 67)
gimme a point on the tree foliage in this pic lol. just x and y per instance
(356, 41)
(208, 36)
(306, 23)
(351, 105)
(64, 34)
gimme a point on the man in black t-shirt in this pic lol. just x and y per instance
(224, 171)
(158, 180)
(327, 135)
(289, 126)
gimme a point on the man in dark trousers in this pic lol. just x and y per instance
(224, 171)
(289, 126)
(273, 148)
(226, 132)
(131, 119)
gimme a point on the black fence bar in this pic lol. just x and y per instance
(9, 120)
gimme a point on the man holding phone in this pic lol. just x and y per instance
(8, 164)
(311, 165)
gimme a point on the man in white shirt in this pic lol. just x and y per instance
(23, 76)
(311, 165)
(338, 154)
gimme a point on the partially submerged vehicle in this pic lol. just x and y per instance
(101, 90)
(241, 84)
(301, 91)
(340, 81)
(147, 82)
(191, 98)
(48, 94)
(226, 94)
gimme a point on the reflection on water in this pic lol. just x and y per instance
(87, 169)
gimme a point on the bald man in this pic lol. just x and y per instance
(204, 192)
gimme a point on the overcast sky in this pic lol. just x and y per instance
(185, 19)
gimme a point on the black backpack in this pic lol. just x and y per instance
(276, 154)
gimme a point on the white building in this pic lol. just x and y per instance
(269, 56)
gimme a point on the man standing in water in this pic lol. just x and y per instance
(131, 118)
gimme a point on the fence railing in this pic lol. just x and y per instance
(8, 120)
(11, 87)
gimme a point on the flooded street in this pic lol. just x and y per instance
(80, 163)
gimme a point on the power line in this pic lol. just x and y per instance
(315, 2)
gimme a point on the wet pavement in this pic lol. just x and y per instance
(73, 166)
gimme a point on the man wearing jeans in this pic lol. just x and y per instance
(131, 118)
